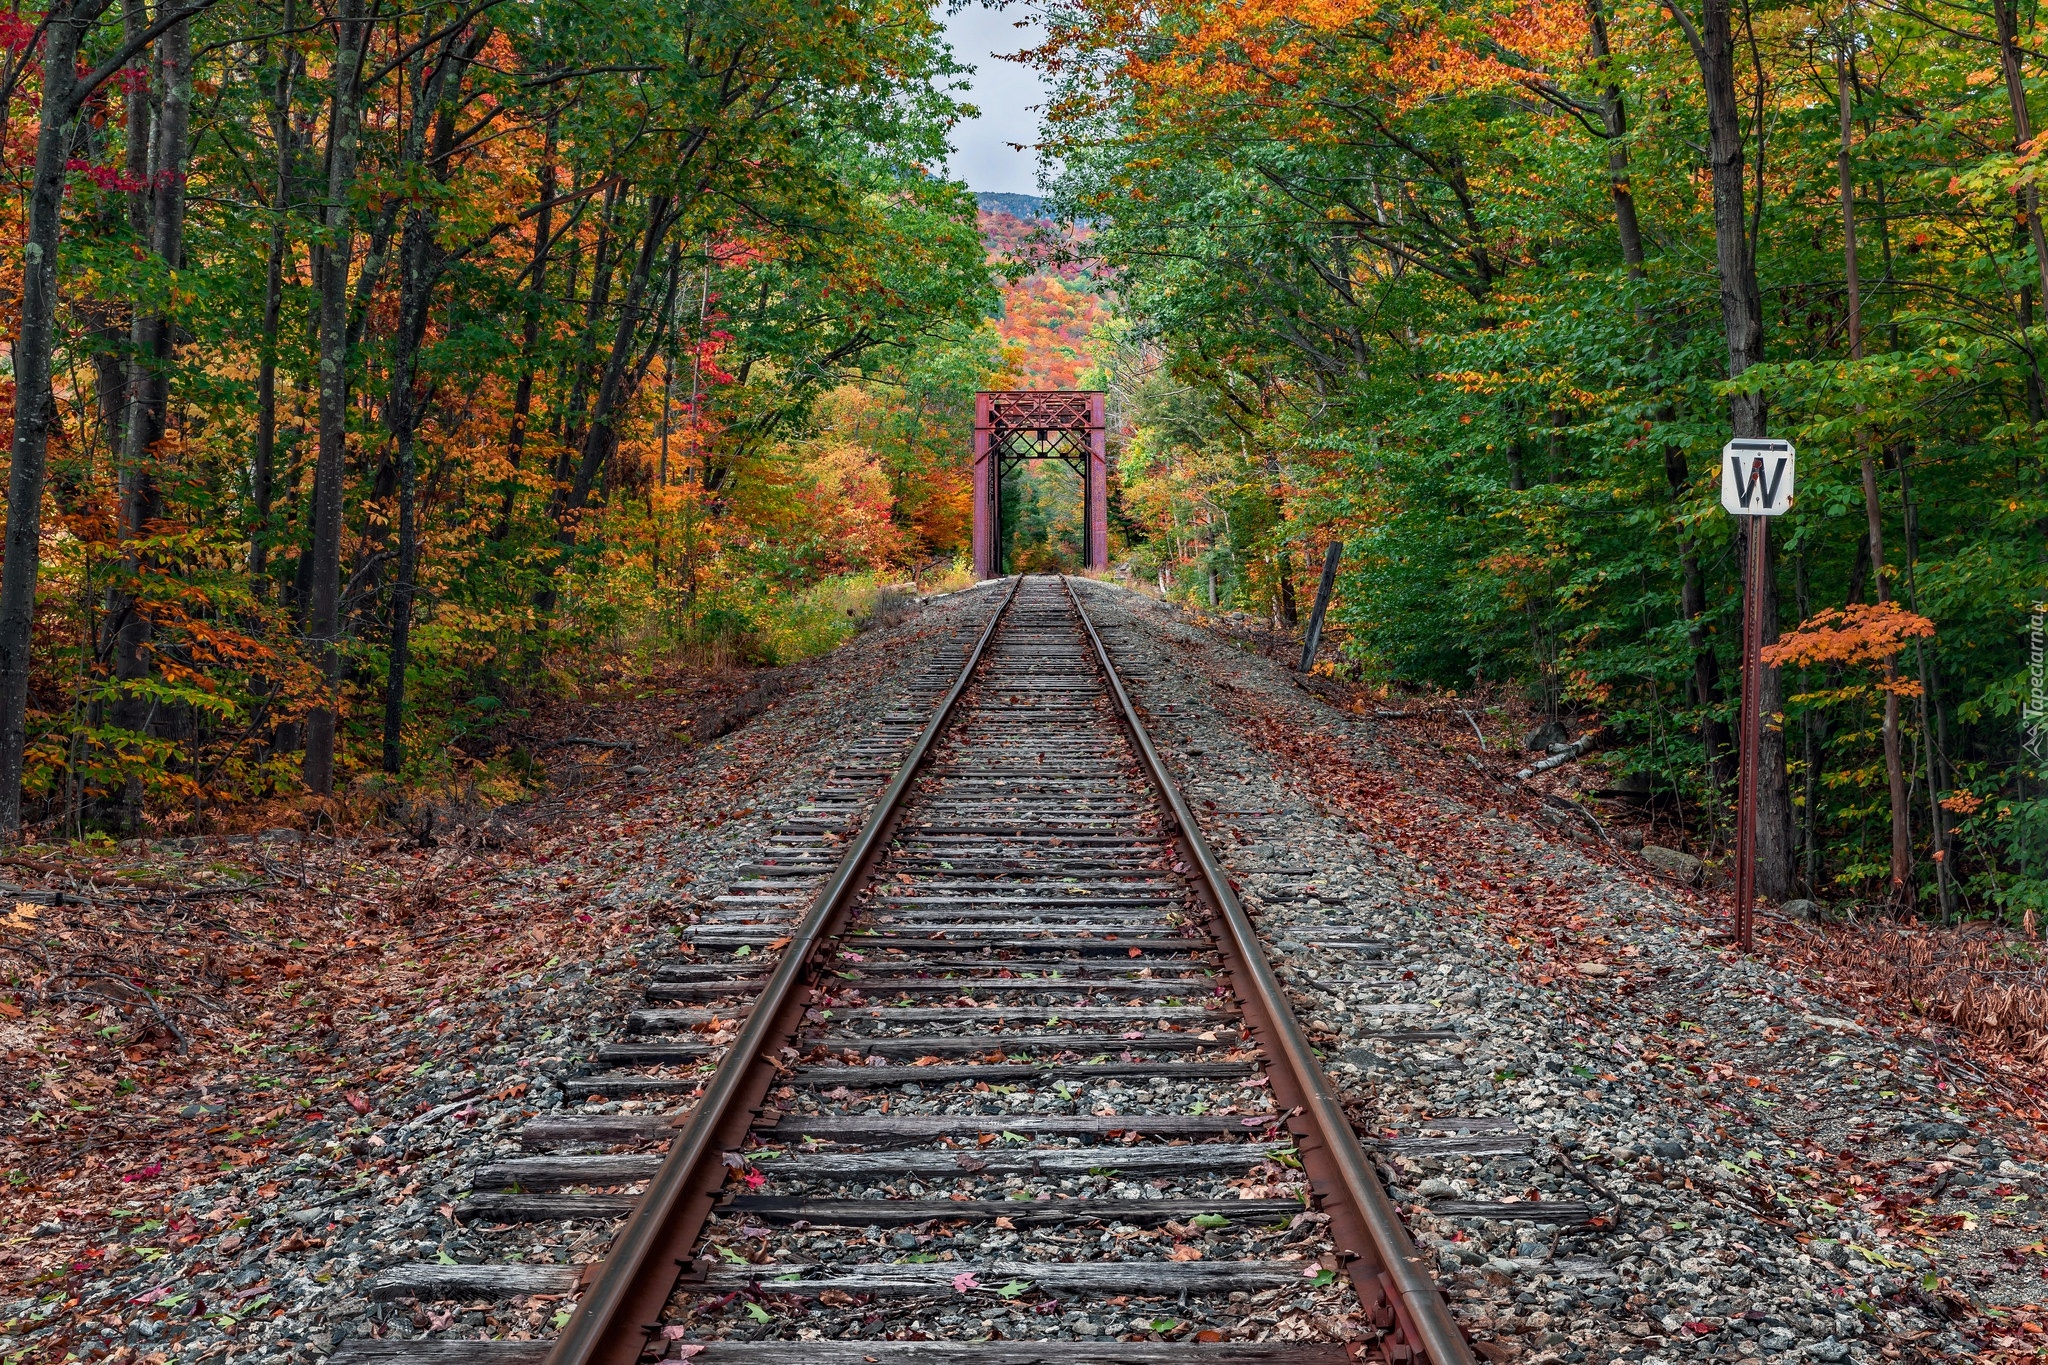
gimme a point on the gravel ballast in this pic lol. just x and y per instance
(1741, 1167)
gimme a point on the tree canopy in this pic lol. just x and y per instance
(393, 365)
(1482, 289)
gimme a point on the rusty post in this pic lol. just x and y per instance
(1751, 730)
(1095, 488)
(987, 489)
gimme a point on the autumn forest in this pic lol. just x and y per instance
(379, 375)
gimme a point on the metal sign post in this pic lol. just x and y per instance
(1756, 484)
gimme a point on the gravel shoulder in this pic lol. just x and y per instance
(307, 1042)
(1773, 1169)
(318, 1037)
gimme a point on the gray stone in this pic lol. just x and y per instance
(1940, 1131)
(1807, 910)
(1672, 863)
(1543, 736)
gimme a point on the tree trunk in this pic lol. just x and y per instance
(35, 407)
(141, 499)
(418, 272)
(570, 429)
(1713, 46)
(1873, 512)
(536, 291)
(1811, 734)
(1933, 728)
(621, 374)
(330, 279)
(1692, 607)
(1614, 121)
(262, 461)
(1692, 597)
(64, 92)
(414, 293)
(1774, 842)
(2007, 24)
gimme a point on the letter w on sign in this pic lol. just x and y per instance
(1756, 478)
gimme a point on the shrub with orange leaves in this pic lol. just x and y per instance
(1862, 634)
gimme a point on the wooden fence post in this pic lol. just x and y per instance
(1314, 636)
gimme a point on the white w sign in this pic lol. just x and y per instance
(1756, 477)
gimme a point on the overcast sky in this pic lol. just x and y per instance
(1007, 94)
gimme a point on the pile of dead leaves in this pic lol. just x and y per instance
(1974, 980)
(150, 1042)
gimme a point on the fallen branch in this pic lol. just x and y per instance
(1577, 748)
(1575, 807)
(594, 743)
(441, 1111)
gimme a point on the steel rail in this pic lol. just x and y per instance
(1389, 1273)
(618, 1312)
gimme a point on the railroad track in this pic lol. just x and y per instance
(1006, 1078)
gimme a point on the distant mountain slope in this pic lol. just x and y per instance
(1017, 205)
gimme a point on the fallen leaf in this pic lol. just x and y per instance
(1184, 1252)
